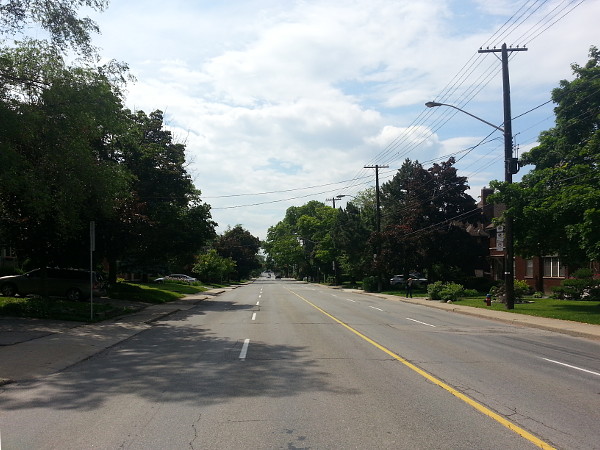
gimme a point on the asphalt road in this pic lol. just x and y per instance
(279, 364)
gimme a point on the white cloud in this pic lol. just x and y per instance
(275, 96)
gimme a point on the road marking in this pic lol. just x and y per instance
(244, 349)
(350, 300)
(378, 309)
(259, 295)
(572, 367)
(253, 316)
(257, 303)
(468, 400)
(422, 323)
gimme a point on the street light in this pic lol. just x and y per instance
(510, 167)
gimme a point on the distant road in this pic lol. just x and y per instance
(282, 364)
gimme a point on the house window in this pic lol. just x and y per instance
(553, 267)
(529, 268)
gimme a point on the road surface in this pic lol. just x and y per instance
(281, 364)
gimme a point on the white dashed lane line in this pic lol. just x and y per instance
(422, 323)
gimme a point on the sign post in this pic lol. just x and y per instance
(92, 249)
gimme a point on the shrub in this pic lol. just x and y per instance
(370, 284)
(471, 293)
(521, 289)
(434, 290)
(578, 289)
(452, 291)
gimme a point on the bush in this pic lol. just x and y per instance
(434, 290)
(578, 289)
(471, 293)
(452, 291)
(446, 291)
(521, 289)
(370, 284)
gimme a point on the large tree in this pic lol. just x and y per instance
(53, 175)
(58, 17)
(424, 217)
(556, 206)
(242, 247)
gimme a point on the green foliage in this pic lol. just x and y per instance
(241, 247)
(212, 267)
(58, 17)
(556, 206)
(521, 289)
(370, 284)
(446, 291)
(434, 290)
(583, 287)
(39, 308)
(415, 203)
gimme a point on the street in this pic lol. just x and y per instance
(283, 364)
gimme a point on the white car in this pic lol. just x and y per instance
(176, 277)
(418, 280)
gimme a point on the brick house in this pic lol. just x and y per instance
(542, 274)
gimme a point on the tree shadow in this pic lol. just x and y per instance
(177, 361)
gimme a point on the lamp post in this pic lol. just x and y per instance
(510, 167)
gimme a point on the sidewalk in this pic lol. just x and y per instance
(577, 329)
(32, 348)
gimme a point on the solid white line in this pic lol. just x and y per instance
(572, 367)
(422, 323)
(244, 349)
(253, 316)
(376, 308)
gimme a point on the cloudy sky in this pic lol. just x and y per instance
(283, 102)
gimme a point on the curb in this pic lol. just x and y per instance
(576, 329)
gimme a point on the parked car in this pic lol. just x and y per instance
(70, 283)
(418, 280)
(176, 277)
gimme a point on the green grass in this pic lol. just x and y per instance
(58, 309)
(39, 308)
(153, 293)
(577, 311)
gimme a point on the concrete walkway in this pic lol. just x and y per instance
(33, 348)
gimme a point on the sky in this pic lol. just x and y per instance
(284, 102)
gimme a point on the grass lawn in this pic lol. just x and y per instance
(57, 309)
(153, 292)
(577, 311)
(60, 309)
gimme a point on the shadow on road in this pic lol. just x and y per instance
(178, 361)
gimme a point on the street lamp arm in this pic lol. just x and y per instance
(434, 104)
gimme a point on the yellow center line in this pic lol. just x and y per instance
(478, 406)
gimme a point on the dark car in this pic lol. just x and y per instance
(70, 283)
(418, 280)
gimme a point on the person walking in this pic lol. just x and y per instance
(409, 287)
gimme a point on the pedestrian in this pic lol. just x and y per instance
(409, 286)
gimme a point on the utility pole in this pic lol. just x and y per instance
(510, 167)
(377, 216)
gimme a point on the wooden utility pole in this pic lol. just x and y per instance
(377, 217)
(510, 167)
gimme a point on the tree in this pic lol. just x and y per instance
(556, 206)
(54, 178)
(424, 217)
(58, 17)
(239, 245)
(210, 267)
(163, 224)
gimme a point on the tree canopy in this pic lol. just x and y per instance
(556, 206)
